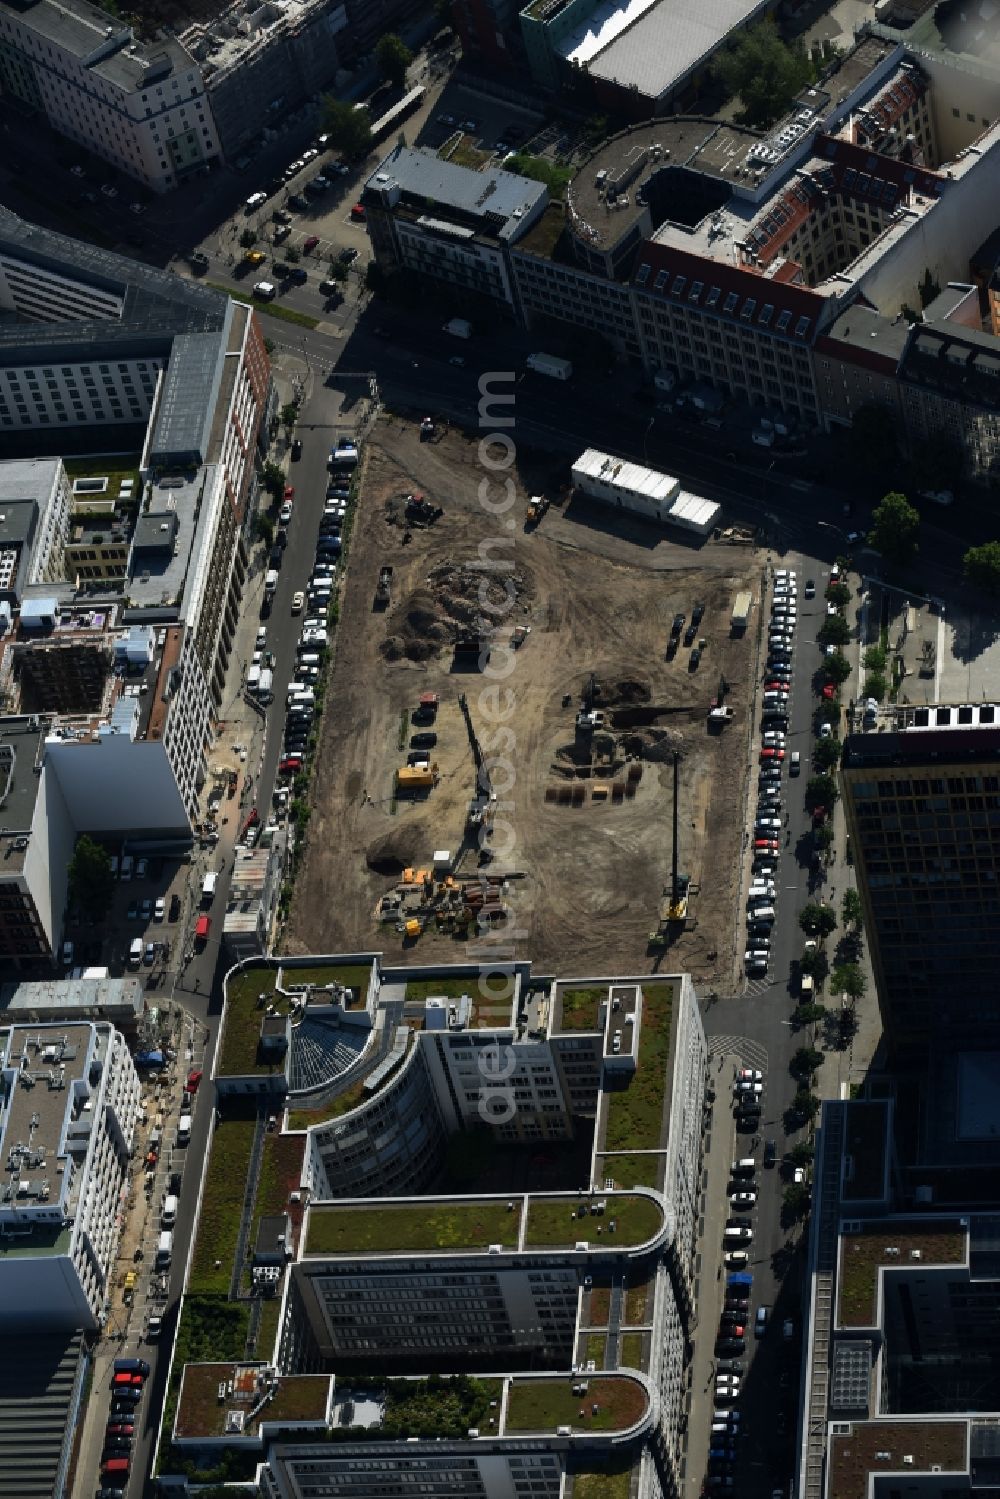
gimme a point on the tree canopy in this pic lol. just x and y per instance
(90, 878)
(835, 630)
(847, 978)
(349, 129)
(982, 566)
(816, 920)
(895, 528)
(765, 72)
(393, 57)
(826, 753)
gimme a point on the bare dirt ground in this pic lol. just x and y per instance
(597, 602)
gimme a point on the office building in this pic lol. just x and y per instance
(34, 518)
(140, 108)
(511, 1294)
(921, 795)
(70, 1101)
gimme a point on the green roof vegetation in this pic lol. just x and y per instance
(631, 1169)
(924, 1444)
(635, 1114)
(342, 1104)
(638, 1306)
(558, 1221)
(863, 1254)
(280, 1174)
(463, 153)
(608, 1483)
(445, 988)
(631, 1350)
(439, 1407)
(115, 471)
(352, 975)
(595, 1344)
(267, 1329)
(242, 1020)
(600, 1307)
(210, 1328)
(301, 1397)
(490, 1007)
(581, 1008)
(544, 1404)
(540, 169)
(546, 232)
(221, 1207)
(428, 1225)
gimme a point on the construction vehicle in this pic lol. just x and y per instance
(719, 714)
(427, 706)
(589, 721)
(419, 511)
(537, 506)
(519, 635)
(383, 588)
(426, 429)
(742, 605)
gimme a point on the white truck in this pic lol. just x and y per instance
(265, 687)
(458, 327)
(208, 885)
(548, 364)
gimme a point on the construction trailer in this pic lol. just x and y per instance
(643, 491)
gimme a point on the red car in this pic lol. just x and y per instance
(310, 243)
(771, 754)
(289, 765)
(770, 844)
(781, 687)
(828, 692)
(358, 212)
(289, 491)
(127, 1381)
(193, 1079)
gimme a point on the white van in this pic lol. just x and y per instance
(270, 582)
(168, 1217)
(762, 913)
(165, 1249)
(746, 1166)
(184, 1129)
(135, 952)
(253, 680)
(737, 1235)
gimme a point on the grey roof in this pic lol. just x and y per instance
(668, 41)
(83, 30)
(864, 328)
(19, 783)
(28, 478)
(39, 1391)
(16, 520)
(494, 197)
(155, 531)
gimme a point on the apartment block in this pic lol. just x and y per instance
(35, 496)
(69, 1101)
(921, 795)
(141, 108)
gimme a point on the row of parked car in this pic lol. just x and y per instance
(314, 602)
(128, 1377)
(770, 817)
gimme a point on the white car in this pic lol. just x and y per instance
(799, 1176)
(265, 290)
(785, 575)
(743, 1199)
(747, 1085)
(255, 200)
(298, 602)
(795, 765)
(749, 1075)
(314, 636)
(825, 731)
(774, 736)
(285, 513)
(736, 1259)
(261, 637)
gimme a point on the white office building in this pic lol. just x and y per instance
(142, 109)
(69, 1100)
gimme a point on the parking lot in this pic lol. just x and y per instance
(148, 908)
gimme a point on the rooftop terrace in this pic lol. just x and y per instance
(202, 1415)
(244, 1012)
(612, 1403)
(878, 1448)
(892, 1244)
(632, 1117)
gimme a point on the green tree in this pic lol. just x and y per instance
(815, 963)
(826, 753)
(805, 1062)
(796, 1199)
(851, 909)
(802, 1153)
(91, 881)
(264, 528)
(805, 1105)
(765, 72)
(895, 528)
(807, 1014)
(292, 255)
(875, 686)
(248, 239)
(835, 630)
(876, 658)
(289, 414)
(847, 978)
(816, 920)
(829, 711)
(272, 477)
(839, 594)
(821, 791)
(824, 835)
(835, 668)
(349, 129)
(393, 57)
(539, 169)
(982, 566)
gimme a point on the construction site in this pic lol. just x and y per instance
(513, 742)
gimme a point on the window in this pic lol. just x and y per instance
(678, 286)
(749, 308)
(697, 287)
(730, 302)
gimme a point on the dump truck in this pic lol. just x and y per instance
(742, 605)
(719, 717)
(537, 507)
(383, 588)
(548, 364)
(420, 511)
(458, 327)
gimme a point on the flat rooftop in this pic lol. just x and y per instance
(956, 733)
(656, 51)
(891, 1244)
(50, 999)
(871, 1449)
(634, 1108)
(47, 1063)
(463, 1225)
(226, 1402)
(866, 1146)
(613, 1402)
(20, 746)
(496, 201)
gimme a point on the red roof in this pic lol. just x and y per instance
(203, 926)
(728, 291)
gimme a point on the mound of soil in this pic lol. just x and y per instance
(396, 851)
(656, 744)
(611, 694)
(435, 615)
